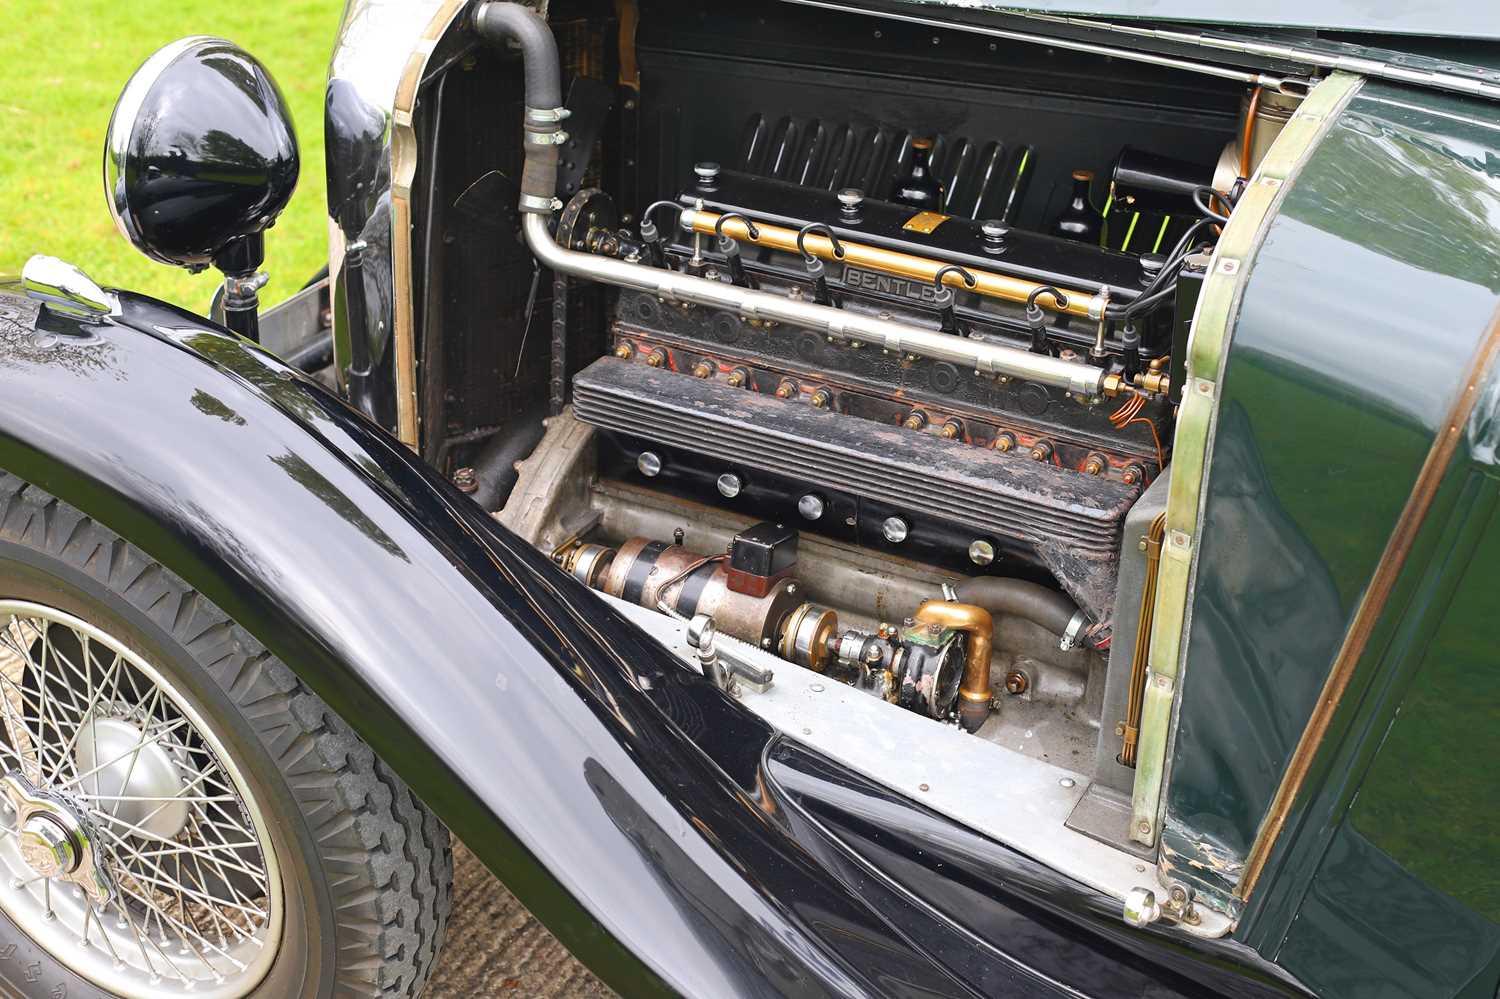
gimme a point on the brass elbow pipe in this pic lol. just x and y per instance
(976, 623)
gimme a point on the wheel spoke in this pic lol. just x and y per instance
(91, 725)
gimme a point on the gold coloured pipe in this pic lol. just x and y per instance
(1137, 693)
(976, 623)
(906, 265)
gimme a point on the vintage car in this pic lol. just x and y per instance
(823, 498)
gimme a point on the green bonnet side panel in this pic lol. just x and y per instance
(1364, 308)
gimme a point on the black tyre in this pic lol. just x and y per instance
(194, 819)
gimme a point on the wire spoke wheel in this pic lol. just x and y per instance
(131, 847)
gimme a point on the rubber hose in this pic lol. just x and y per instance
(495, 465)
(500, 22)
(1019, 598)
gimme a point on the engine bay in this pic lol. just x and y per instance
(866, 345)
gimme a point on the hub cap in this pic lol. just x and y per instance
(130, 845)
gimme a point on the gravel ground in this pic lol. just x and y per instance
(496, 950)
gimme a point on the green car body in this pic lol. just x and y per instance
(1333, 777)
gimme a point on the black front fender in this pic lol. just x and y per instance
(666, 835)
(501, 691)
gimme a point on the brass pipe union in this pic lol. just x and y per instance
(979, 628)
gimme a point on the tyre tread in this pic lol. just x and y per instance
(387, 859)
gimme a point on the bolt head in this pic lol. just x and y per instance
(894, 530)
(981, 552)
(811, 506)
(730, 485)
(1016, 682)
(649, 464)
(466, 480)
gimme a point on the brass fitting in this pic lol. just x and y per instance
(703, 369)
(1041, 451)
(1005, 441)
(658, 358)
(979, 628)
(1095, 464)
(953, 428)
(1112, 384)
(787, 389)
(624, 351)
(737, 378)
(1133, 474)
(915, 420)
(1155, 382)
(822, 398)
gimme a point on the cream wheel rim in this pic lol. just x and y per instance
(131, 847)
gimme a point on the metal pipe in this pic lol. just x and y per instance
(500, 22)
(672, 286)
(1135, 696)
(907, 265)
(975, 622)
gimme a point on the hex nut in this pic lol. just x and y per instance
(1016, 682)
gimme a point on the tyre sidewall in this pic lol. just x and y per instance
(306, 954)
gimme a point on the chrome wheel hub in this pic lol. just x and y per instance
(130, 846)
(53, 841)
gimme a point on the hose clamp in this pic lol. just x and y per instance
(539, 205)
(546, 117)
(1070, 633)
(553, 138)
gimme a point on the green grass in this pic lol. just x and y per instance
(61, 67)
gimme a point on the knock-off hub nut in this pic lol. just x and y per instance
(48, 848)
